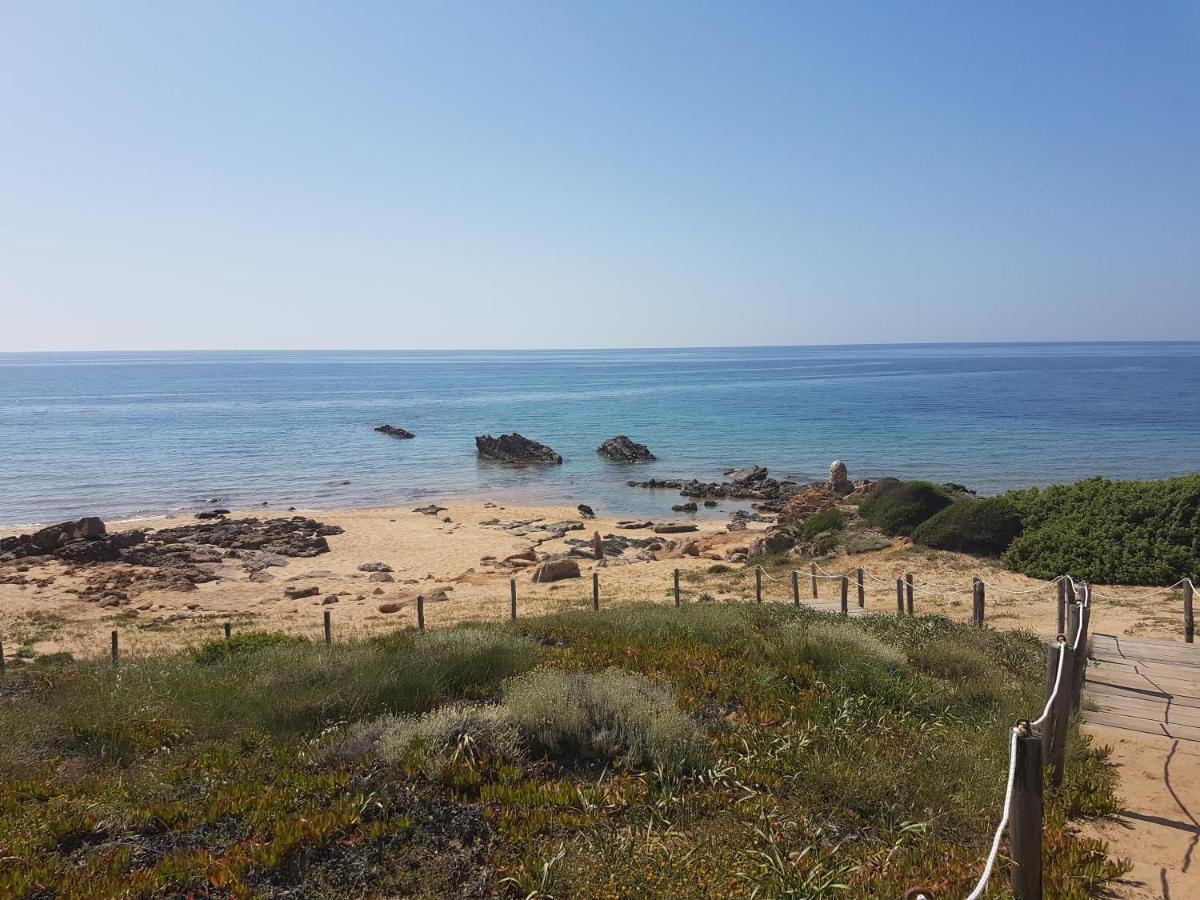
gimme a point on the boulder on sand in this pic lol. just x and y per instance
(393, 431)
(622, 449)
(556, 570)
(674, 528)
(515, 448)
(586, 511)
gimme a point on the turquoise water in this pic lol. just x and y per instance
(124, 434)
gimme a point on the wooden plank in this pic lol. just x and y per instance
(1127, 723)
(1105, 688)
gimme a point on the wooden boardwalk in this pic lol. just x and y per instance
(1142, 699)
(1151, 687)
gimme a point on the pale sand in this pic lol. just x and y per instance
(1160, 830)
(428, 554)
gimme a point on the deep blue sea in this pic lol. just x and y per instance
(127, 434)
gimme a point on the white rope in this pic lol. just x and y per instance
(1062, 655)
(981, 886)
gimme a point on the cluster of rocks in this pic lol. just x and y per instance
(83, 541)
(753, 483)
(624, 450)
(176, 558)
(515, 448)
(394, 431)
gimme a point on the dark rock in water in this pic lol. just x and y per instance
(393, 431)
(958, 488)
(556, 570)
(622, 449)
(746, 477)
(515, 448)
(710, 504)
(688, 507)
(212, 514)
(586, 511)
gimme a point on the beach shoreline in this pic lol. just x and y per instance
(455, 559)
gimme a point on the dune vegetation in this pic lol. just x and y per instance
(718, 750)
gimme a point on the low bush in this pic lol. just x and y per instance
(1111, 532)
(981, 527)
(897, 507)
(604, 716)
(218, 651)
(473, 734)
(826, 520)
(948, 659)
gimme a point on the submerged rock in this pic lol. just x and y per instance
(515, 448)
(622, 449)
(393, 431)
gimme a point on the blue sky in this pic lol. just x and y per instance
(389, 175)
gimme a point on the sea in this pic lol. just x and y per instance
(144, 434)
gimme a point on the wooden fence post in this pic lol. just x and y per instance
(862, 599)
(596, 591)
(812, 568)
(420, 612)
(1062, 605)
(1189, 620)
(1052, 653)
(676, 587)
(900, 597)
(757, 585)
(1025, 827)
(979, 601)
(1064, 702)
(328, 628)
(512, 597)
(908, 592)
(116, 650)
(795, 588)
(845, 596)
(228, 630)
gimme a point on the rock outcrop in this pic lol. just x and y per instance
(839, 479)
(624, 450)
(556, 570)
(82, 541)
(393, 431)
(515, 448)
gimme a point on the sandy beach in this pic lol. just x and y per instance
(457, 553)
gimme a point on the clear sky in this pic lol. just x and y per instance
(509, 174)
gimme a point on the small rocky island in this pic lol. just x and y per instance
(624, 450)
(393, 431)
(515, 448)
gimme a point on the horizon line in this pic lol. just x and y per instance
(779, 346)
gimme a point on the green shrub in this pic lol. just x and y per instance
(947, 659)
(604, 716)
(897, 507)
(219, 651)
(826, 520)
(1112, 532)
(982, 527)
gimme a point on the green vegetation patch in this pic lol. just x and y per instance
(898, 507)
(981, 527)
(826, 520)
(717, 750)
(1112, 532)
